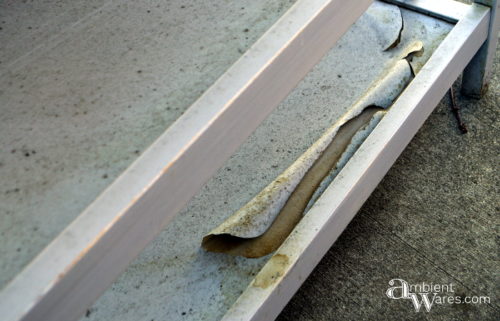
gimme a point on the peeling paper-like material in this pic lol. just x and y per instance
(353, 146)
(414, 49)
(387, 22)
(396, 41)
(260, 226)
(291, 213)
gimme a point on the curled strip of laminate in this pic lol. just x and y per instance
(262, 225)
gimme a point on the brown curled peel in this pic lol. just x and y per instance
(262, 225)
(291, 213)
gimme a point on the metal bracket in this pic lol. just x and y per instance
(448, 10)
(477, 74)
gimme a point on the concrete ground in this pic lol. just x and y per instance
(433, 219)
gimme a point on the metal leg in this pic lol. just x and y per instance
(478, 72)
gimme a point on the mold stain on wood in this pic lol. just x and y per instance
(272, 271)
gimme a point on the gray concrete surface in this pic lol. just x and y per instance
(434, 218)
